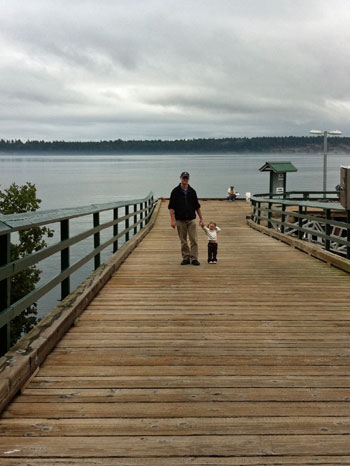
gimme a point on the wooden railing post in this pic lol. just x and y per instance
(300, 222)
(115, 229)
(141, 215)
(149, 206)
(348, 234)
(259, 212)
(283, 218)
(147, 212)
(328, 230)
(65, 262)
(127, 223)
(269, 215)
(97, 258)
(252, 215)
(5, 293)
(135, 219)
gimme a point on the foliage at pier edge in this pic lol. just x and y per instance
(203, 145)
(18, 199)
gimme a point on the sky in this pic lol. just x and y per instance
(173, 69)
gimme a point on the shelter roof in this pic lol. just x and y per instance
(278, 167)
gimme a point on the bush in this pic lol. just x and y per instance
(19, 199)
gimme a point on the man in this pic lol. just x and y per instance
(183, 206)
(231, 193)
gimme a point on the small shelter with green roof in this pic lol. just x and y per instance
(278, 175)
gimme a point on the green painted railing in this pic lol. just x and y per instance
(135, 214)
(308, 216)
(322, 196)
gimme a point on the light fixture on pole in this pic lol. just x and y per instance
(325, 133)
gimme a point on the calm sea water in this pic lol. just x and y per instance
(77, 180)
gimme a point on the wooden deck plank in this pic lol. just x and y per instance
(242, 363)
(200, 370)
(175, 409)
(217, 381)
(115, 357)
(176, 446)
(180, 426)
(118, 395)
(211, 350)
(190, 460)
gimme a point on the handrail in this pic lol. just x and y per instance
(329, 205)
(322, 221)
(16, 222)
(305, 195)
(142, 210)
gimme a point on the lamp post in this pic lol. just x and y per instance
(325, 133)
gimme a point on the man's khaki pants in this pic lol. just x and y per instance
(184, 228)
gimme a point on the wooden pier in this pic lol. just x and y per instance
(246, 362)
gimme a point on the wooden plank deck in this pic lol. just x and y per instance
(241, 363)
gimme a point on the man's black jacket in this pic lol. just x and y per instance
(184, 205)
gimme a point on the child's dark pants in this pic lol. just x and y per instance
(212, 251)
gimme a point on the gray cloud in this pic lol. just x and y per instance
(82, 69)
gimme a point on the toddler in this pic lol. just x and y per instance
(212, 234)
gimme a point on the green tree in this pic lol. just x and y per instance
(19, 199)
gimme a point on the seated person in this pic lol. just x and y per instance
(231, 193)
(338, 189)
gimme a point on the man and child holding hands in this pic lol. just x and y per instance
(183, 206)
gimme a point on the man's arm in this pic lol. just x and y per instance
(171, 208)
(198, 209)
(172, 218)
(201, 221)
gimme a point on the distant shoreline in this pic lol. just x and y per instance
(286, 144)
(152, 153)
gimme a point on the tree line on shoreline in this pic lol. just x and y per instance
(202, 145)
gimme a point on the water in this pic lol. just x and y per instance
(77, 180)
(69, 181)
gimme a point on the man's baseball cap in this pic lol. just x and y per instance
(184, 174)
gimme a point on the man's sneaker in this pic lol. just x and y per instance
(214, 262)
(195, 262)
(186, 262)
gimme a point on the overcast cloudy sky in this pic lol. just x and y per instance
(166, 69)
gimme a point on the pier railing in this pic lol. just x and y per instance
(322, 196)
(307, 216)
(131, 215)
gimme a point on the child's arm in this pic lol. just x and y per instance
(218, 228)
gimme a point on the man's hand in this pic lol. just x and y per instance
(172, 218)
(201, 221)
